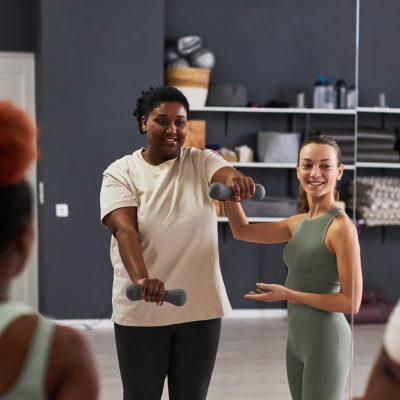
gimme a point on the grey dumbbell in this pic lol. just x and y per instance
(177, 297)
(218, 191)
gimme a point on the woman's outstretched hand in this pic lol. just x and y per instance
(269, 293)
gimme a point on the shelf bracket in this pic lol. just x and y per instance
(306, 126)
(226, 119)
(292, 123)
(383, 234)
(383, 121)
(224, 233)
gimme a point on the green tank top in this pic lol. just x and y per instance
(31, 381)
(311, 265)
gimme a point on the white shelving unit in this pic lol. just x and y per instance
(322, 111)
(378, 165)
(293, 110)
(263, 165)
(379, 110)
(255, 219)
(269, 110)
(276, 165)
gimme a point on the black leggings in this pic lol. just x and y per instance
(185, 352)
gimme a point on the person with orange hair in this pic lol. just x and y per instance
(38, 359)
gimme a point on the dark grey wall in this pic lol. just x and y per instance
(94, 58)
(18, 25)
(274, 48)
(379, 55)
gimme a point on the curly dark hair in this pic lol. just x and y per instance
(153, 97)
(303, 206)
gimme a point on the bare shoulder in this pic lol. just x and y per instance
(341, 231)
(72, 372)
(293, 221)
(69, 347)
(68, 340)
(342, 225)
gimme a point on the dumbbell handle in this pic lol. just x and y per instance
(175, 296)
(218, 191)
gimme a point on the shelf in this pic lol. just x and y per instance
(379, 110)
(293, 110)
(378, 165)
(263, 165)
(268, 110)
(255, 219)
(275, 165)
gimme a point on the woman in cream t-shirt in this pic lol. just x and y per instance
(156, 204)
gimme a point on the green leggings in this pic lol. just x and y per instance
(317, 354)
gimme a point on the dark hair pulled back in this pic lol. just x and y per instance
(154, 97)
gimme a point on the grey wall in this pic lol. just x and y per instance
(18, 25)
(94, 57)
(274, 48)
(379, 55)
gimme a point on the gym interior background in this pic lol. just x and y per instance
(92, 59)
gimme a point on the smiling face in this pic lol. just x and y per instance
(318, 170)
(166, 128)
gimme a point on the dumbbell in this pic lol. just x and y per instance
(177, 297)
(218, 191)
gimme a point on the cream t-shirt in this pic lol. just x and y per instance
(178, 233)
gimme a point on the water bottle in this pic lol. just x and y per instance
(330, 95)
(351, 97)
(319, 92)
(341, 93)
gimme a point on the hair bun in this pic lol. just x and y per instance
(17, 143)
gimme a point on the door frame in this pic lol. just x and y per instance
(21, 67)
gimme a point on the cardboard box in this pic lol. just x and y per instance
(196, 134)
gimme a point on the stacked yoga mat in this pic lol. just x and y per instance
(377, 200)
(373, 144)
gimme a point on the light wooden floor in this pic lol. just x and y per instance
(250, 362)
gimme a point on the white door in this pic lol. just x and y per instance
(17, 83)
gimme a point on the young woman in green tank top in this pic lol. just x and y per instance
(324, 274)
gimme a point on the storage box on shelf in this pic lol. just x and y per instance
(380, 112)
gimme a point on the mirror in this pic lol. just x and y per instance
(378, 180)
(275, 51)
